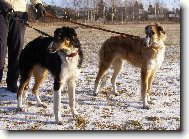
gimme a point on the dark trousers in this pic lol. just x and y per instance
(12, 30)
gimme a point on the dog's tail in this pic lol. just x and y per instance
(104, 51)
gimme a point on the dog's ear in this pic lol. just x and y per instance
(160, 29)
(59, 32)
(72, 32)
(156, 24)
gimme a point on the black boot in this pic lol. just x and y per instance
(1, 75)
(12, 85)
(12, 78)
(12, 89)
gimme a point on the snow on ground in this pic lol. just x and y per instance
(106, 111)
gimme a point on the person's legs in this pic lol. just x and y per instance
(3, 42)
(15, 46)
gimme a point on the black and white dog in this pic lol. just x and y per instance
(62, 56)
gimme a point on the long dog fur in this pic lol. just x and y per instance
(145, 53)
(61, 55)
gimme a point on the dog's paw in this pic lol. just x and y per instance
(42, 105)
(150, 102)
(59, 122)
(20, 109)
(148, 98)
(95, 93)
(116, 93)
(147, 107)
(75, 114)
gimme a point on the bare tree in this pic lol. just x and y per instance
(115, 4)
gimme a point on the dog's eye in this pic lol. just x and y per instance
(163, 32)
(67, 38)
(152, 32)
(74, 37)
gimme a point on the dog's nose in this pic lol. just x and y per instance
(50, 50)
(145, 44)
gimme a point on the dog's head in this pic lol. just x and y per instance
(64, 38)
(155, 35)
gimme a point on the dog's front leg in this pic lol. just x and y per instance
(57, 101)
(71, 93)
(57, 106)
(144, 87)
(151, 78)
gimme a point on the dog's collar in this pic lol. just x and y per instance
(70, 55)
(153, 47)
(156, 49)
(156, 46)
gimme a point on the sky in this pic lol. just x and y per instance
(169, 3)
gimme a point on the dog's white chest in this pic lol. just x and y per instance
(70, 63)
(69, 67)
(156, 62)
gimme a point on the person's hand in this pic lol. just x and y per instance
(40, 8)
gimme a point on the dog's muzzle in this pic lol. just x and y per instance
(147, 41)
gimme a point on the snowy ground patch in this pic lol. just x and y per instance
(105, 111)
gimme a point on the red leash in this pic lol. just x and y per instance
(88, 26)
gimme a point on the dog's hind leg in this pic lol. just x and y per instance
(24, 79)
(117, 66)
(103, 68)
(39, 75)
(71, 93)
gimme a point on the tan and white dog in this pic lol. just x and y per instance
(145, 53)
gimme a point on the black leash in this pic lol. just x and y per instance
(28, 25)
(39, 31)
